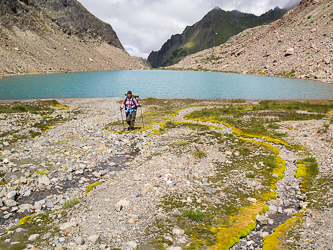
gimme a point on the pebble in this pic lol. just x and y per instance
(210, 190)
(79, 240)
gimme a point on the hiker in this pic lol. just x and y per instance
(130, 104)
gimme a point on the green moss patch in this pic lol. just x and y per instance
(238, 226)
(273, 241)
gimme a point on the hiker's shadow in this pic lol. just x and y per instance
(135, 129)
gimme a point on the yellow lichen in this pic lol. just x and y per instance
(301, 171)
(90, 187)
(273, 241)
(268, 196)
(238, 226)
(43, 172)
(266, 144)
(273, 187)
(25, 219)
(62, 106)
(281, 167)
(277, 141)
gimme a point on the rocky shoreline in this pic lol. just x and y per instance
(84, 184)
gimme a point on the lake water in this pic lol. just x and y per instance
(160, 84)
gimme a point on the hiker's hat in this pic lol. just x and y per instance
(129, 92)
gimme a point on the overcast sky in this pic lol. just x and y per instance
(145, 25)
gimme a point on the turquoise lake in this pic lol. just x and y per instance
(160, 84)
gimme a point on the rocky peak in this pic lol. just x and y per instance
(69, 15)
(215, 28)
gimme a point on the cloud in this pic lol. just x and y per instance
(144, 25)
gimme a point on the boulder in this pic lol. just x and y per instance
(263, 220)
(10, 203)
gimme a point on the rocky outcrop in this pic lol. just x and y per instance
(298, 45)
(214, 29)
(57, 36)
(143, 62)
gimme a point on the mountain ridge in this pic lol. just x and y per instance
(40, 36)
(216, 27)
(297, 45)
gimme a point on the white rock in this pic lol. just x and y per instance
(249, 243)
(290, 51)
(20, 230)
(174, 248)
(10, 203)
(252, 200)
(23, 180)
(79, 240)
(33, 237)
(132, 244)
(5, 161)
(12, 195)
(262, 219)
(124, 203)
(304, 204)
(264, 234)
(44, 180)
(118, 207)
(67, 225)
(94, 239)
(178, 231)
(290, 211)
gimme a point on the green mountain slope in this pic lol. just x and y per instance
(214, 29)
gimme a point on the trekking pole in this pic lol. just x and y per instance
(142, 118)
(122, 119)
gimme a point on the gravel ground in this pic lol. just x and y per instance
(135, 173)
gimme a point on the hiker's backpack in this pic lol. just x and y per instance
(134, 96)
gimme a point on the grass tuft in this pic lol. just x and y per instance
(180, 143)
(71, 203)
(271, 164)
(194, 215)
(310, 159)
(199, 154)
(250, 175)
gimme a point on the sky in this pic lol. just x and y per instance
(145, 25)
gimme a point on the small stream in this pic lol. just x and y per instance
(72, 186)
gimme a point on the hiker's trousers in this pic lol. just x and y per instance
(130, 119)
